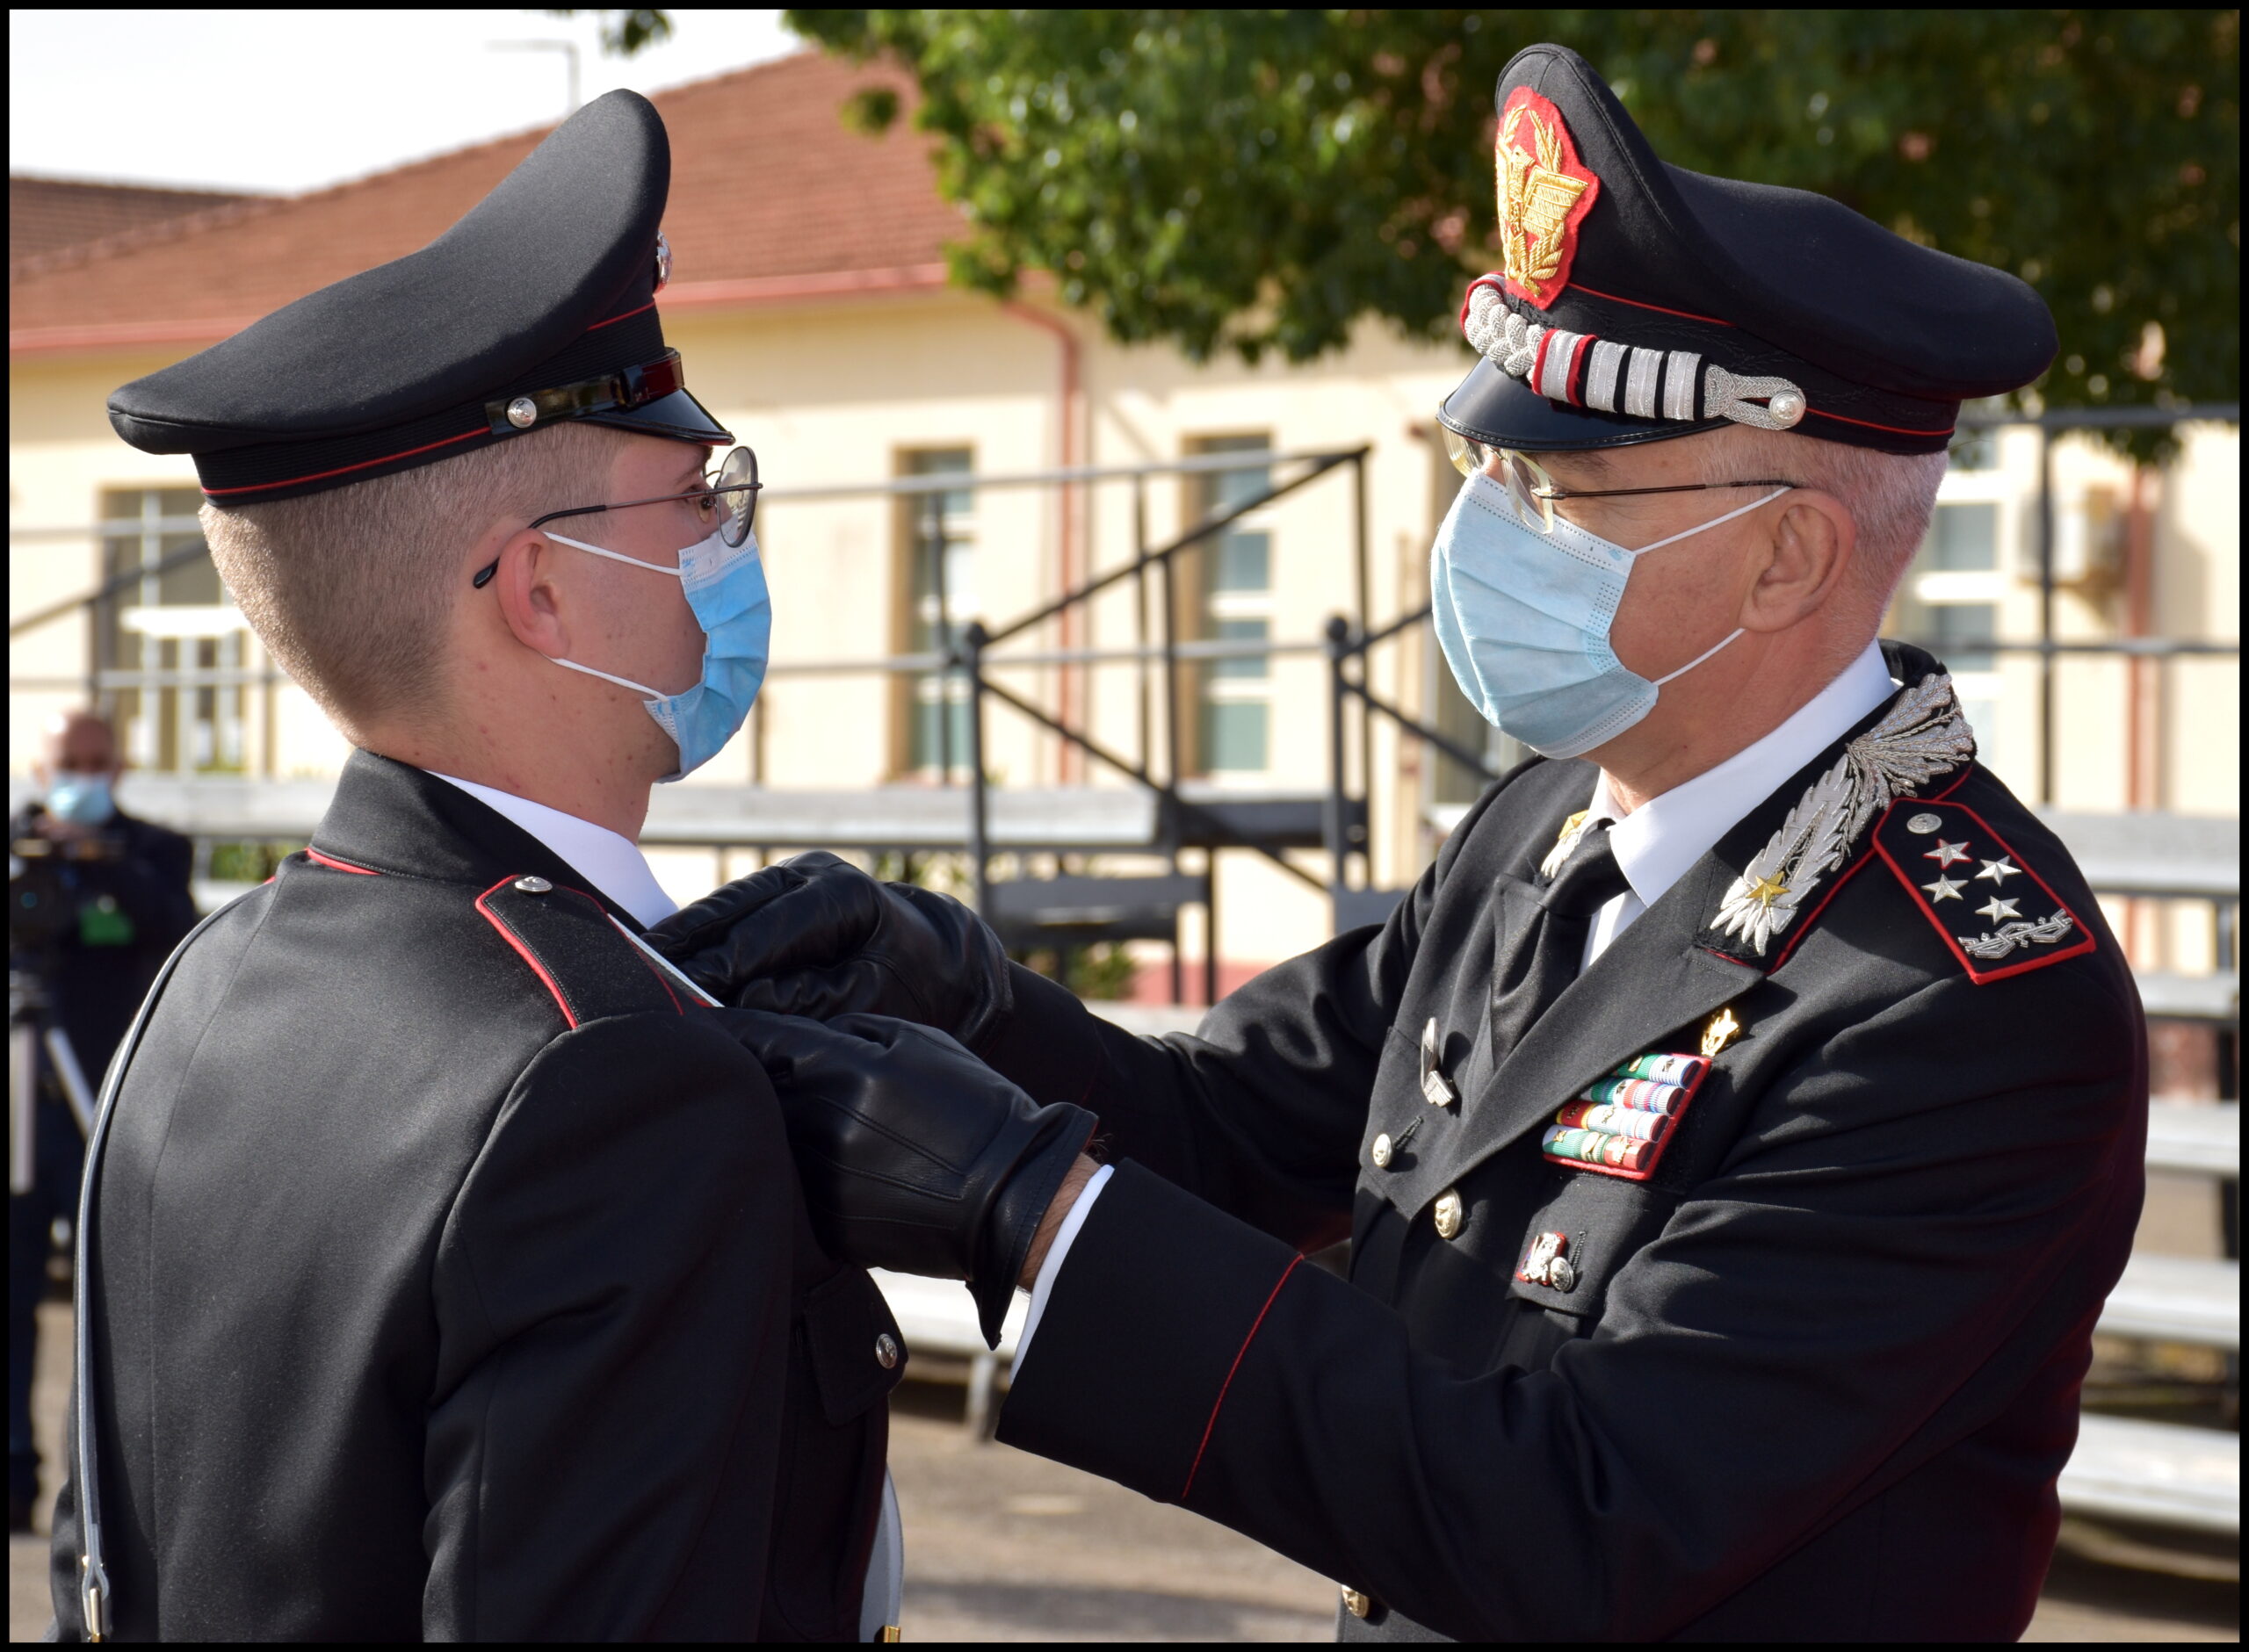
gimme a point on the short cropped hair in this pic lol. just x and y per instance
(1890, 496)
(351, 589)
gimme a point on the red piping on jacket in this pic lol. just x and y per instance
(522, 951)
(1196, 1467)
(1944, 931)
(341, 866)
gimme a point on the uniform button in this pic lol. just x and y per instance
(1355, 1603)
(1448, 1213)
(1561, 1275)
(886, 1352)
(532, 885)
(1381, 1151)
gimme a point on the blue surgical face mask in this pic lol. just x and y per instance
(80, 799)
(1523, 619)
(725, 589)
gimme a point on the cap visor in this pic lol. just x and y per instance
(678, 416)
(1495, 407)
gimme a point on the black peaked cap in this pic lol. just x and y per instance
(538, 306)
(1630, 280)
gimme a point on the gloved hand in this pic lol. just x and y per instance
(915, 1155)
(815, 936)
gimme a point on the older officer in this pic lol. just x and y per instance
(446, 1276)
(1738, 1126)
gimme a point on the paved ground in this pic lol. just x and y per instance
(1004, 1547)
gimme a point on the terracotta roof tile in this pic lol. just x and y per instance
(767, 184)
(46, 215)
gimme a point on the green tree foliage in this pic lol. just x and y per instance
(627, 31)
(1259, 180)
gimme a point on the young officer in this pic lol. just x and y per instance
(447, 1275)
(1739, 1125)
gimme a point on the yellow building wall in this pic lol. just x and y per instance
(836, 394)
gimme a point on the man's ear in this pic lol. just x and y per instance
(1812, 542)
(524, 586)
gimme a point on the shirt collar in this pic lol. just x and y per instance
(1658, 842)
(615, 864)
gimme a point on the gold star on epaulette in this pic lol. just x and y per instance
(1765, 890)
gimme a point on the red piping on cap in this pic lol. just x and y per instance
(1574, 385)
(628, 316)
(1869, 424)
(345, 470)
(1538, 361)
(1659, 309)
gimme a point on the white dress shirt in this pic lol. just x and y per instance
(1655, 845)
(1658, 842)
(614, 863)
(617, 868)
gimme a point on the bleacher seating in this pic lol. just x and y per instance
(2145, 1470)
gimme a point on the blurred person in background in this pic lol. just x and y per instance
(97, 900)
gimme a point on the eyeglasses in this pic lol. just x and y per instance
(728, 503)
(1533, 492)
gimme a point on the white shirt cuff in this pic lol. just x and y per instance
(1052, 1266)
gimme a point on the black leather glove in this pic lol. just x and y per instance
(815, 936)
(915, 1155)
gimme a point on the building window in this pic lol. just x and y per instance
(1949, 601)
(1237, 598)
(164, 638)
(940, 586)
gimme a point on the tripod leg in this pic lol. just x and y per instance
(65, 1057)
(23, 1106)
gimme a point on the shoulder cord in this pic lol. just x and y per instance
(93, 1578)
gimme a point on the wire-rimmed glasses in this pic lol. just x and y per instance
(1533, 492)
(728, 502)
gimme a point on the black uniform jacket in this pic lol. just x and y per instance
(97, 972)
(451, 1278)
(1814, 1378)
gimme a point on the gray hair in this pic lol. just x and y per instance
(351, 589)
(1890, 496)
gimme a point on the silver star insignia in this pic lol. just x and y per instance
(1943, 888)
(1999, 871)
(1997, 910)
(1945, 854)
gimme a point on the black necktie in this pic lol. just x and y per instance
(1546, 957)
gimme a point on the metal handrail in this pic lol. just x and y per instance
(1321, 464)
(971, 656)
